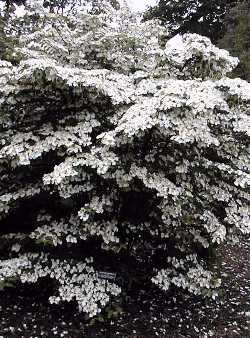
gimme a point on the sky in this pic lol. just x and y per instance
(141, 5)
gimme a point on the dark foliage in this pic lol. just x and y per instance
(237, 37)
(203, 17)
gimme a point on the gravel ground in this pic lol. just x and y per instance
(25, 312)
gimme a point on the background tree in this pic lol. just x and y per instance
(204, 17)
(2, 38)
(237, 37)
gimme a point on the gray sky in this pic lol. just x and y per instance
(140, 5)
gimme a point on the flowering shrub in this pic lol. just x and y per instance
(119, 141)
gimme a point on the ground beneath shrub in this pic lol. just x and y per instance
(25, 312)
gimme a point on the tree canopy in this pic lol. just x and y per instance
(119, 149)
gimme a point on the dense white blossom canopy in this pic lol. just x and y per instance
(97, 110)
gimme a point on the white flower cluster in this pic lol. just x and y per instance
(7, 200)
(105, 229)
(99, 158)
(60, 172)
(195, 278)
(239, 216)
(234, 87)
(184, 49)
(73, 230)
(76, 280)
(20, 147)
(96, 206)
(35, 6)
(99, 82)
(157, 181)
(56, 232)
(67, 190)
(212, 225)
(184, 110)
